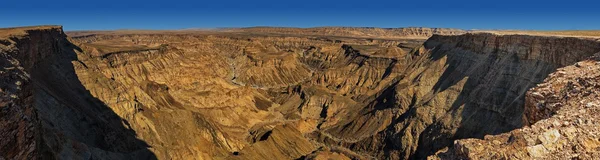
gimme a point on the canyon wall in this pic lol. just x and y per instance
(561, 117)
(456, 87)
(47, 113)
(19, 122)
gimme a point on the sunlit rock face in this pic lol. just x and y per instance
(269, 93)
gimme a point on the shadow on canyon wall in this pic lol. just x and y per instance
(67, 110)
(491, 100)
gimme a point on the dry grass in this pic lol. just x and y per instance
(16, 31)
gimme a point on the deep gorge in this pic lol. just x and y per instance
(274, 94)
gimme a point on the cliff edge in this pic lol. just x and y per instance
(46, 113)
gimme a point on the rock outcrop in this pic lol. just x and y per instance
(561, 111)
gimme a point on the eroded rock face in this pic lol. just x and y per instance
(259, 95)
(19, 123)
(561, 111)
(456, 87)
(47, 113)
(224, 93)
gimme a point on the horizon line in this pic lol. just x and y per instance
(287, 27)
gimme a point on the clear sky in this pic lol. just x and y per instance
(184, 14)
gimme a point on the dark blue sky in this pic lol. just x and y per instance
(182, 14)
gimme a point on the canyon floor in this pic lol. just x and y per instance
(299, 93)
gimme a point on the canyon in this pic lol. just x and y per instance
(298, 93)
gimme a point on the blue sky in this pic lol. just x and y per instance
(183, 14)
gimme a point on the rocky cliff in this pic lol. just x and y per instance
(46, 112)
(560, 113)
(21, 50)
(455, 87)
(245, 95)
